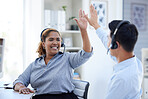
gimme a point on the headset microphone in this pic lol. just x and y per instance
(109, 48)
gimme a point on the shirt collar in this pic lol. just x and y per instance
(41, 58)
(54, 55)
(124, 64)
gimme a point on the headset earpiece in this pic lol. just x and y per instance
(114, 45)
(62, 43)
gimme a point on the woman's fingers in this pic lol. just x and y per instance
(83, 13)
(80, 13)
(20, 91)
(76, 21)
(86, 17)
(25, 91)
(31, 91)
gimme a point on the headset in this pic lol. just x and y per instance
(113, 44)
(62, 42)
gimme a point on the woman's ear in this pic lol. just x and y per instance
(43, 44)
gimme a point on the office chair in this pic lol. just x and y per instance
(81, 88)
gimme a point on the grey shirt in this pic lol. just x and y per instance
(55, 77)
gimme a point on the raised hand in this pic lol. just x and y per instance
(82, 22)
(93, 20)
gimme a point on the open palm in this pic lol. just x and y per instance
(82, 22)
(93, 20)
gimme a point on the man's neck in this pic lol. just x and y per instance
(124, 56)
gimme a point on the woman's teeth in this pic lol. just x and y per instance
(54, 47)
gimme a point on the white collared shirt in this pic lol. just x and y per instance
(126, 80)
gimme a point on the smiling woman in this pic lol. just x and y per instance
(51, 74)
(50, 43)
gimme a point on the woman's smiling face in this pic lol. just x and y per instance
(52, 43)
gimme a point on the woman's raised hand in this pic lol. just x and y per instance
(82, 22)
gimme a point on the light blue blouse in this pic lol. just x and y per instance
(55, 77)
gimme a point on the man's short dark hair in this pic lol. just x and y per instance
(126, 35)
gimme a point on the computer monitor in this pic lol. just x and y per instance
(1, 56)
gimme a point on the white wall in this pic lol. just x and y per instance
(99, 68)
(143, 34)
(33, 22)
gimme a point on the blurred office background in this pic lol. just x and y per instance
(21, 22)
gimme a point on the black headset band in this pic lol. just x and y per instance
(119, 25)
(48, 31)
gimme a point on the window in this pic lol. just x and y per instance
(11, 29)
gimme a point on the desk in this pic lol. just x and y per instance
(11, 94)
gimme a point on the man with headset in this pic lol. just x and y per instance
(126, 81)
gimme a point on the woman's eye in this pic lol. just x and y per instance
(58, 39)
(50, 39)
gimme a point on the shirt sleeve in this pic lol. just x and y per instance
(103, 37)
(117, 90)
(24, 78)
(77, 59)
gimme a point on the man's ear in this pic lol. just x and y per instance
(118, 44)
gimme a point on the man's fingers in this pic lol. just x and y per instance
(96, 12)
(91, 8)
